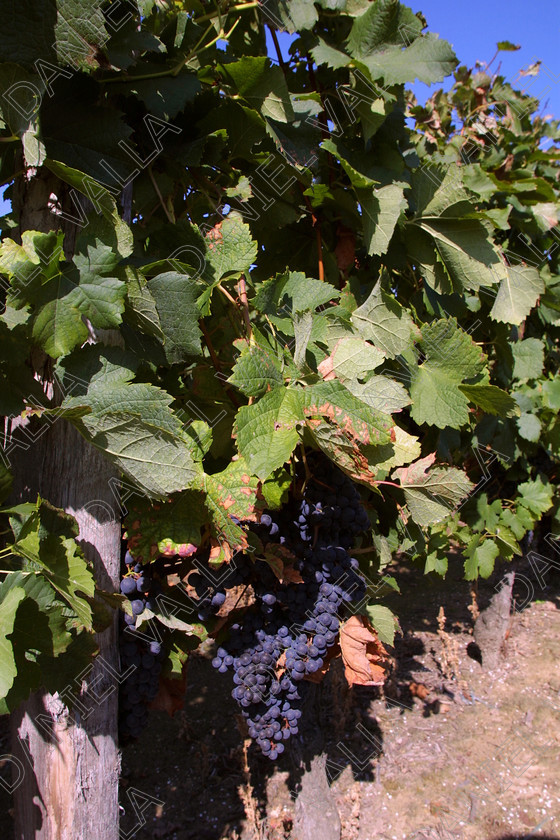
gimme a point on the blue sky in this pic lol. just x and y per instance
(474, 28)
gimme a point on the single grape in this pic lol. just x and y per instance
(128, 585)
(137, 606)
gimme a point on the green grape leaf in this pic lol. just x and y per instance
(140, 304)
(135, 428)
(301, 293)
(528, 358)
(453, 247)
(323, 53)
(22, 97)
(429, 59)
(262, 85)
(384, 322)
(403, 449)
(291, 15)
(276, 488)
(39, 589)
(384, 622)
(381, 209)
(529, 427)
(506, 541)
(518, 522)
(303, 326)
(175, 297)
(432, 494)
(436, 562)
(380, 392)
(96, 366)
(101, 199)
(9, 603)
(268, 431)
(163, 97)
(351, 358)
(255, 371)
(519, 292)
(76, 30)
(96, 258)
(58, 325)
(535, 495)
(230, 493)
(491, 399)
(551, 393)
(507, 46)
(480, 557)
(387, 39)
(47, 540)
(230, 248)
(451, 357)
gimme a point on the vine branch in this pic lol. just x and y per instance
(245, 306)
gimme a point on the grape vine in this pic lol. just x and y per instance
(393, 313)
(288, 633)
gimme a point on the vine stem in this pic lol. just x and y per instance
(170, 219)
(198, 45)
(245, 305)
(12, 178)
(276, 43)
(323, 121)
(174, 71)
(239, 8)
(216, 362)
(207, 339)
(227, 294)
(308, 473)
(317, 226)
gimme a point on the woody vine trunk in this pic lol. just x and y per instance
(67, 742)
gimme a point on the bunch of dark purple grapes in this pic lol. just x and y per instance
(138, 690)
(145, 656)
(286, 636)
(139, 587)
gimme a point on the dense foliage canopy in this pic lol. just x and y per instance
(295, 256)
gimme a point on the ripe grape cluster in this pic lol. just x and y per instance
(141, 686)
(139, 587)
(286, 636)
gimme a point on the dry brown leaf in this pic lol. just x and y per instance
(291, 575)
(365, 659)
(171, 695)
(326, 368)
(214, 235)
(419, 690)
(345, 250)
(220, 552)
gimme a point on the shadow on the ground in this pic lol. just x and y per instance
(198, 765)
(530, 836)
